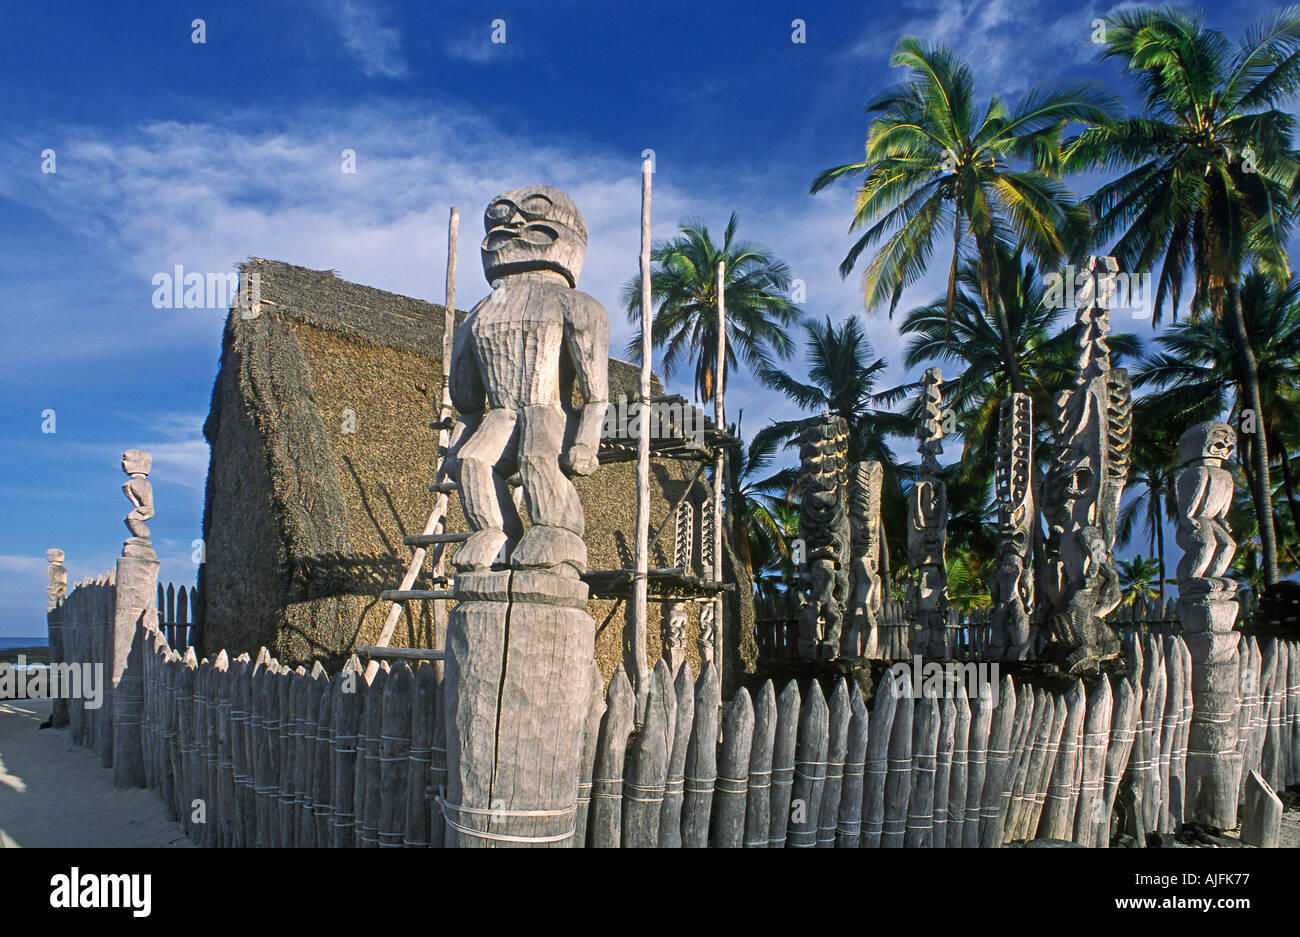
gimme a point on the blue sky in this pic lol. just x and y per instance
(171, 152)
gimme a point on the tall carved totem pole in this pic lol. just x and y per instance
(927, 528)
(519, 638)
(824, 527)
(1082, 490)
(1207, 608)
(1011, 589)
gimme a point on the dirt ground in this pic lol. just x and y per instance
(55, 794)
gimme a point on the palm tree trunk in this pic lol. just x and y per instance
(1261, 489)
(1159, 525)
(988, 273)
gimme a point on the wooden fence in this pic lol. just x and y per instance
(86, 617)
(777, 627)
(249, 752)
(178, 615)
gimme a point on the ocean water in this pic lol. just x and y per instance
(8, 642)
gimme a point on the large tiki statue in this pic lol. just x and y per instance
(519, 636)
(824, 527)
(1011, 590)
(1083, 488)
(1207, 609)
(866, 538)
(927, 526)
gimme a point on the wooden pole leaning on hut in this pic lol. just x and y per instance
(437, 521)
(640, 578)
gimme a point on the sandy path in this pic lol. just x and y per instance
(54, 793)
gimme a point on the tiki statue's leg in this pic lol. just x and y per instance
(554, 510)
(484, 493)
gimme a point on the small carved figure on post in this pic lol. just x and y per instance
(137, 463)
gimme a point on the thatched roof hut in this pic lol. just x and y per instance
(322, 451)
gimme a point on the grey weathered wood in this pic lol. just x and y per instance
(605, 819)
(1293, 713)
(733, 773)
(809, 769)
(1096, 733)
(239, 676)
(1022, 797)
(848, 830)
(1153, 705)
(702, 760)
(1262, 820)
(977, 745)
(998, 757)
(438, 760)
(304, 760)
(591, 734)
(274, 728)
(419, 757)
(647, 763)
(925, 739)
(395, 754)
(171, 673)
(290, 698)
(1021, 741)
(1119, 749)
(670, 815)
(758, 804)
(1043, 781)
(837, 747)
(224, 790)
(1058, 808)
(877, 764)
(943, 767)
(898, 780)
(349, 702)
(1171, 779)
(368, 816)
(322, 794)
(788, 706)
(1275, 674)
(954, 829)
(205, 762)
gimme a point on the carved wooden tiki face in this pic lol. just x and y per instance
(533, 228)
(1208, 440)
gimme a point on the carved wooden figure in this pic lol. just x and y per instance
(1011, 589)
(1207, 608)
(1083, 487)
(520, 634)
(927, 522)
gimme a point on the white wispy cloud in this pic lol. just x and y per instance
(377, 47)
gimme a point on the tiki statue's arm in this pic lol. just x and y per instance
(586, 337)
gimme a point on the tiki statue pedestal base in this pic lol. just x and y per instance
(518, 646)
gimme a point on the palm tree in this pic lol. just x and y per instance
(1153, 467)
(756, 533)
(933, 163)
(683, 284)
(1137, 580)
(841, 380)
(1208, 171)
(1046, 362)
(842, 372)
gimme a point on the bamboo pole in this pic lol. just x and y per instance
(640, 580)
(719, 464)
(437, 518)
